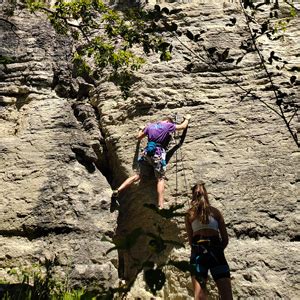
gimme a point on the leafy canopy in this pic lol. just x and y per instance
(106, 39)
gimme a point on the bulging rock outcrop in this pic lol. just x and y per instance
(60, 157)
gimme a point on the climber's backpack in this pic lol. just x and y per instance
(150, 148)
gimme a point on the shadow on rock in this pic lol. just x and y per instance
(145, 235)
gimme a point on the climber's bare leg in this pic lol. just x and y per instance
(160, 192)
(128, 182)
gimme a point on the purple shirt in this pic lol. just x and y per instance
(160, 132)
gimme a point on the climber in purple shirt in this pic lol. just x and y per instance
(154, 154)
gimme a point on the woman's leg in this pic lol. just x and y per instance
(224, 287)
(128, 182)
(199, 292)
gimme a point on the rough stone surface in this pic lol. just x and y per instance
(242, 150)
(57, 155)
(54, 199)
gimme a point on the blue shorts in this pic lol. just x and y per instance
(209, 256)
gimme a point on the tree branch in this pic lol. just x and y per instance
(291, 5)
(213, 66)
(13, 26)
(292, 117)
(262, 61)
(67, 22)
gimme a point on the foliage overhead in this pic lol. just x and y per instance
(107, 39)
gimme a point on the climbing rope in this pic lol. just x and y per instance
(176, 166)
(176, 163)
(184, 174)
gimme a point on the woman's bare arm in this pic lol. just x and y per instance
(141, 135)
(184, 124)
(189, 229)
(223, 231)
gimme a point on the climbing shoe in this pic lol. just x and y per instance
(114, 204)
(115, 194)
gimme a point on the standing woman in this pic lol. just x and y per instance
(208, 238)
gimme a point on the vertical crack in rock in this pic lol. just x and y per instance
(134, 218)
(96, 153)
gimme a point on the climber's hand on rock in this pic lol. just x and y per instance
(187, 117)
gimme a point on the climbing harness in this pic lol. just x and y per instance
(204, 245)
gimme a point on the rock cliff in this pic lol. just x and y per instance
(54, 199)
(60, 157)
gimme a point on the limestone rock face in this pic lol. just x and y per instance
(240, 149)
(54, 199)
(58, 155)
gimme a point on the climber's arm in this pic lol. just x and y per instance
(222, 228)
(189, 230)
(184, 124)
(141, 133)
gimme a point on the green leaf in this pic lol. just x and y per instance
(293, 12)
(6, 60)
(165, 56)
